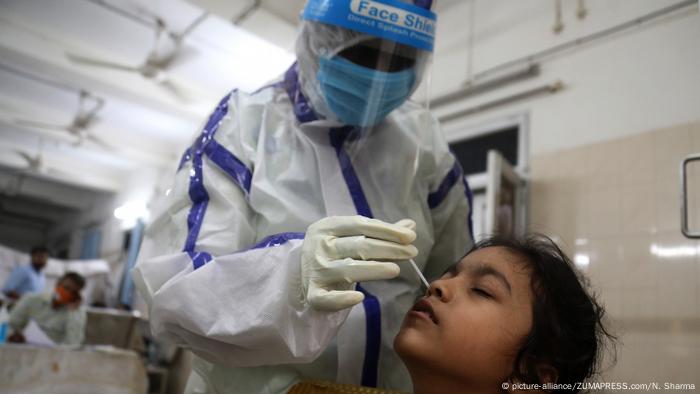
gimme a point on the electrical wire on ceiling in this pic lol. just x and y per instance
(246, 13)
(40, 79)
(148, 22)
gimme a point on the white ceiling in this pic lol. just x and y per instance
(142, 122)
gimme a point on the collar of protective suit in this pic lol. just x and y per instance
(324, 387)
(302, 108)
(301, 105)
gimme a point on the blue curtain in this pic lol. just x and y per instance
(91, 244)
(127, 290)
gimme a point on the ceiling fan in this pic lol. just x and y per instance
(85, 117)
(165, 52)
(35, 163)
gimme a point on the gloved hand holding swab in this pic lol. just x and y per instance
(341, 250)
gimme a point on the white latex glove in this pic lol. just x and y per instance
(341, 250)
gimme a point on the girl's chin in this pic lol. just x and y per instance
(409, 343)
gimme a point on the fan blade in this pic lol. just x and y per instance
(140, 9)
(175, 89)
(57, 172)
(24, 155)
(101, 142)
(87, 98)
(33, 163)
(101, 63)
(192, 26)
(30, 123)
(184, 55)
(82, 122)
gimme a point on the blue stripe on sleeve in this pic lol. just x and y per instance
(438, 196)
(230, 164)
(199, 258)
(197, 191)
(186, 156)
(277, 239)
(200, 200)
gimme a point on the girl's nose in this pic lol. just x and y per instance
(439, 289)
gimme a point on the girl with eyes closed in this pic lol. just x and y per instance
(511, 314)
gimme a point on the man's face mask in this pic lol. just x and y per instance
(64, 296)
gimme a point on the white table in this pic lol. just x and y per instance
(26, 369)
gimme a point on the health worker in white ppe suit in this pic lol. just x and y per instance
(280, 254)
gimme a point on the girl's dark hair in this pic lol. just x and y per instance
(567, 333)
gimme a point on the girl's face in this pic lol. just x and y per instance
(472, 322)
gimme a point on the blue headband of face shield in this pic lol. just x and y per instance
(391, 20)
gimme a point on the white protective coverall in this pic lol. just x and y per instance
(220, 263)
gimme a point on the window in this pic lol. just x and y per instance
(471, 152)
(500, 202)
(470, 144)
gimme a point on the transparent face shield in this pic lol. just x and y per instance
(361, 60)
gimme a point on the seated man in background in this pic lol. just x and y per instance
(57, 313)
(27, 278)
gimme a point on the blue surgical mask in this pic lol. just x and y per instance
(362, 96)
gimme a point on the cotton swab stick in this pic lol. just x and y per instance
(420, 274)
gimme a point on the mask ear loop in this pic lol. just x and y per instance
(389, 47)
